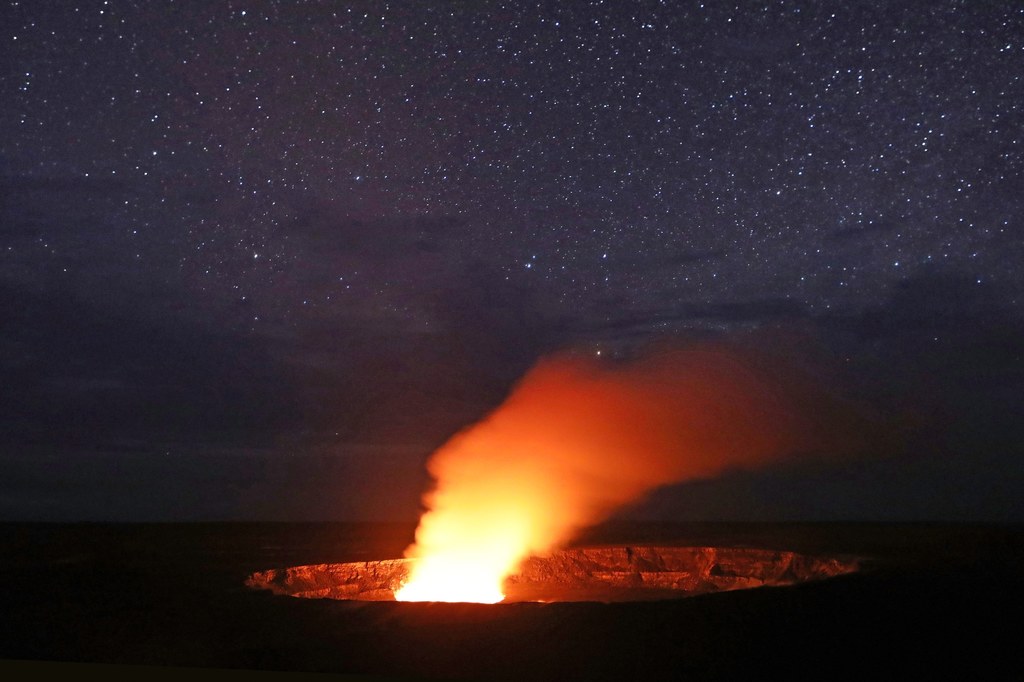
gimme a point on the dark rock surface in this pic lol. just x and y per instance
(930, 601)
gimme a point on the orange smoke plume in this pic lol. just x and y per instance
(577, 439)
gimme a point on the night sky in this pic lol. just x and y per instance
(259, 259)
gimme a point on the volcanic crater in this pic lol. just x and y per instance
(602, 574)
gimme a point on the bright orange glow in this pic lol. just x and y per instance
(575, 440)
(453, 578)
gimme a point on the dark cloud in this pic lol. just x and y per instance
(757, 311)
(940, 366)
(612, 326)
(862, 229)
(691, 257)
(75, 375)
(175, 481)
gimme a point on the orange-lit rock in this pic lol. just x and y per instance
(590, 574)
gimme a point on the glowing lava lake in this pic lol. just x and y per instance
(603, 574)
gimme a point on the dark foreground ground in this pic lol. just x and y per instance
(934, 600)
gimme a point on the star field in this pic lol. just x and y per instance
(634, 155)
(235, 221)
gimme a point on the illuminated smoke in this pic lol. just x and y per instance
(578, 438)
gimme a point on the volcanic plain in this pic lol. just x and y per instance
(926, 599)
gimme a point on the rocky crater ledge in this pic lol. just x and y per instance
(587, 574)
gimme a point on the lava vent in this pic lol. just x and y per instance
(586, 574)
